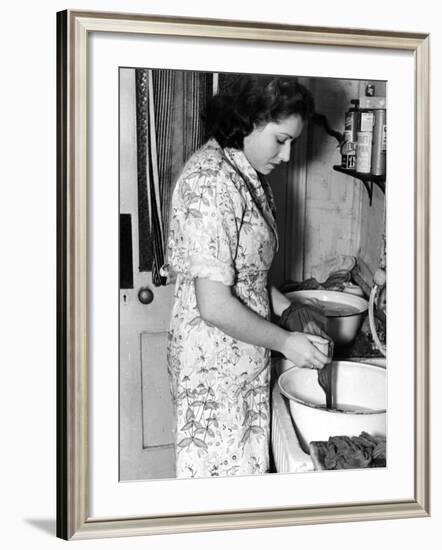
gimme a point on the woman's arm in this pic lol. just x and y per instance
(279, 301)
(219, 307)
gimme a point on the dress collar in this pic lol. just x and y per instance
(243, 165)
(257, 185)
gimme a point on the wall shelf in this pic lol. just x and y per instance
(369, 180)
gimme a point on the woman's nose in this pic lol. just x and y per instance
(284, 153)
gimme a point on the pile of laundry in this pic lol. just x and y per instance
(333, 274)
(343, 452)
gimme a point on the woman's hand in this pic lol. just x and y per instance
(301, 349)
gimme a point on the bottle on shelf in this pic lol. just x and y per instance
(348, 150)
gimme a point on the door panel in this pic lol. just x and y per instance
(157, 411)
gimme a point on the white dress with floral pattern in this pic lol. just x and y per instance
(222, 228)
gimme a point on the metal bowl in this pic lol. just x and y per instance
(343, 323)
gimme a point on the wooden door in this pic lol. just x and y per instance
(146, 442)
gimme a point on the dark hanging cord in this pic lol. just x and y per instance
(322, 121)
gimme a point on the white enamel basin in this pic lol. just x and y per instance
(359, 394)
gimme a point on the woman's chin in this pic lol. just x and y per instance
(265, 170)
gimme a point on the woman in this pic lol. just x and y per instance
(221, 244)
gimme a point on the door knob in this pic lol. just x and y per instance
(145, 295)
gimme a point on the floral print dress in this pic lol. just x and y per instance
(222, 228)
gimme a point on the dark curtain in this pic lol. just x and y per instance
(169, 130)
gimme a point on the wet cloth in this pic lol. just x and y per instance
(223, 229)
(300, 317)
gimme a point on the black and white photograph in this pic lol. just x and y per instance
(221, 254)
(252, 270)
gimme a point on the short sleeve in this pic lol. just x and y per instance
(204, 229)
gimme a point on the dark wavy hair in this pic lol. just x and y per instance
(251, 101)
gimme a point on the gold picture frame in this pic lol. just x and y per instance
(73, 517)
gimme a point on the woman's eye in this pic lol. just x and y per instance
(280, 141)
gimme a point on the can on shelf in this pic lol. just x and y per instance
(379, 145)
(366, 121)
(363, 152)
(348, 158)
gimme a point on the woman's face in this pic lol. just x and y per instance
(269, 145)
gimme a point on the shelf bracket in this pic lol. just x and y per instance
(367, 179)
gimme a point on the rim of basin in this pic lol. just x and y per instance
(365, 412)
